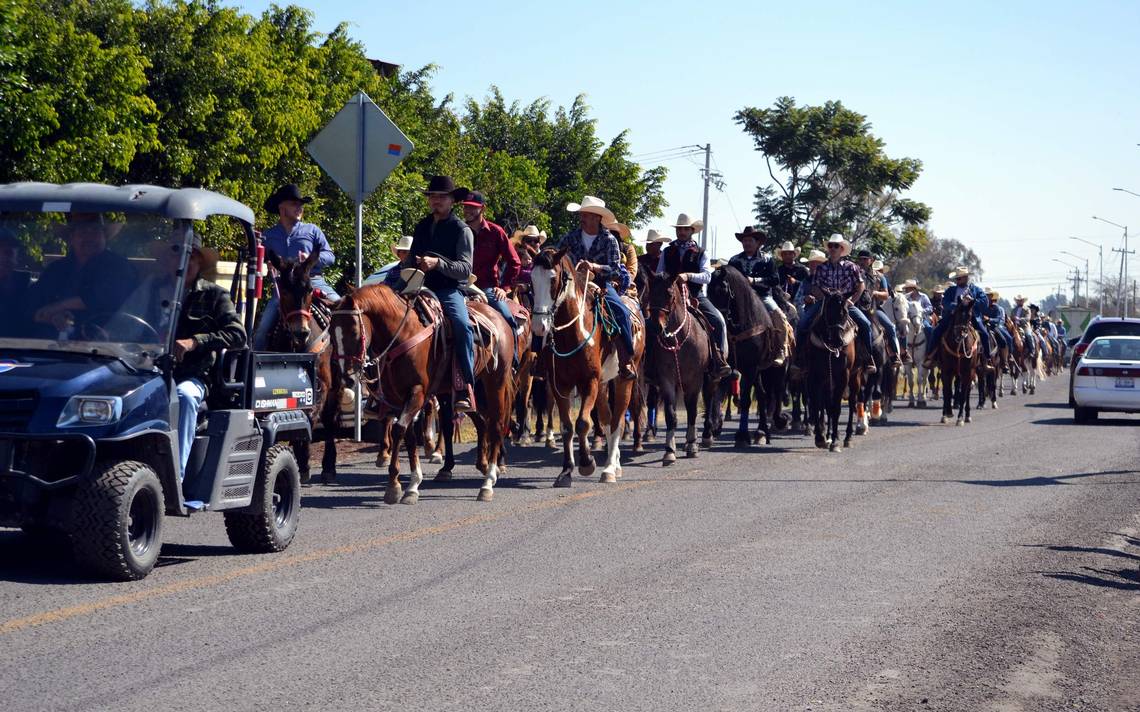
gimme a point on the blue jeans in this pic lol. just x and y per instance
(856, 314)
(1004, 338)
(501, 306)
(620, 316)
(269, 315)
(716, 320)
(889, 329)
(936, 337)
(191, 393)
(455, 310)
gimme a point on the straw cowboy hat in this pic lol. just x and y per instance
(939, 290)
(590, 204)
(655, 236)
(683, 220)
(910, 284)
(404, 243)
(788, 247)
(814, 256)
(840, 240)
(1019, 298)
(959, 273)
(878, 266)
(620, 228)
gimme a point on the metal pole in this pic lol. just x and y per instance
(358, 427)
(1124, 257)
(705, 214)
(1100, 259)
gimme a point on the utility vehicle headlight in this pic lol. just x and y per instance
(91, 410)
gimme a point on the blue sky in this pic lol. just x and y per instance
(1025, 114)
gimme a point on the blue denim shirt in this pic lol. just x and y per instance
(305, 237)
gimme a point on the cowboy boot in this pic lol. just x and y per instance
(464, 401)
(626, 371)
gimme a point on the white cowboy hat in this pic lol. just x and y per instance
(620, 228)
(683, 220)
(590, 204)
(1019, 298)
(878, 266)
(655, 236)
(841, 240)
(910, 284)
(988, 290)
(959, 273)
(814, 256)
(405, 243)
(788, 247)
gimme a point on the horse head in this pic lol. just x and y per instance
(295, 294)
(833, 316)
(350, 331)
(551, 274)
(664, 296)
(720, 289)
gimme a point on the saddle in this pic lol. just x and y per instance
(848, 334)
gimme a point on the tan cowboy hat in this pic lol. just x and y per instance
(841, 240)
(683, 220)
(655, 236)
(878, 266)
(994, 293)
(1020, 298)
(959, 273)
(910, 284)
(404, 243)
(939, 290)
(590, 204)
(788, 247)
(529, 231)
(814, 256)
(620, 228)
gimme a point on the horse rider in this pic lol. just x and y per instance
(684, 258)
(879, 291)
(913, 294)
(1061, 331)
(654, 240)
(592, 247)
(792, 273)
(803, 294)
(962, 286)
(441, 247)
(994, 317)
(763, 275)
(293, 239)
(936, 296)
(846, 278)
(492, 249)
(628, 272)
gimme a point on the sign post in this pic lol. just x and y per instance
(359, 148)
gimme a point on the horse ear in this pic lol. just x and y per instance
(349, 289)
(561, 254)
(274, 259)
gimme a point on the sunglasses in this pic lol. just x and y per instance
(834, 247)
(531, 241)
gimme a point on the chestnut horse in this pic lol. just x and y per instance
(300, 331)
(378, 335)
(959, 357)
(581, 355)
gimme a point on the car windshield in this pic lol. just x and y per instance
(1115, 349)
(89, 283)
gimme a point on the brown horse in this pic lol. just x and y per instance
(581, 355)
(379, 335)
(960, 355)
(304, 328)
(829, 352)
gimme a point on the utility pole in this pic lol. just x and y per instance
(1122, 286)
(705, 214)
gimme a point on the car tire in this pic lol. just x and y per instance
(1085, 415)
(270, 522)
(116, 528)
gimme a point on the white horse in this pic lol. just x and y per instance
(915, 375)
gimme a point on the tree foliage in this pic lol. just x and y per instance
(930, 265)
(830, 174)
(192, 93)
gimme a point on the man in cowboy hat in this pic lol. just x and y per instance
(292, 238)
(89, 281)
(962, 286)
(628, 271)
(811, 263)
(877, 293)
(760, 269)
(685, 259)
(592, 247)
(792, 273)
(441, 247)
(492, 249)
(844, 277)
(910, 289)
(1020, 310)
(380, 276)
(648, 262)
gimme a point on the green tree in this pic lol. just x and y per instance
(830, 174)
(930, 265)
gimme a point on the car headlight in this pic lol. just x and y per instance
(91, 410)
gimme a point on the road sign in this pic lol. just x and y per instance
(359, 147)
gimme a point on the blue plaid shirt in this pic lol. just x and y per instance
(605, 251)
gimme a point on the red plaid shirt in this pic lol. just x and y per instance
(843, 277)
(491, 247)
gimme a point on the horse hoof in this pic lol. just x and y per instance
(486, 494)
(767, 440)
(993, 406)
(706, 443)
(691, 450)
(834, 447)
(587, 470)
(436, 459)
(742, 440)
(392, 494)
(608, 477)
(563, 480)
(637, 449)
(669, 458)
(306, 476)
(943, 419)
(958, 422)
(443, 476)
(410, 498)
(525, 441)
(969, 419)
(821, 443)
(922, 404)
(328, 477)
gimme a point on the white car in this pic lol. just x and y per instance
(1107, 377)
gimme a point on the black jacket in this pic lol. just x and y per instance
(452, 242)
(209, 317)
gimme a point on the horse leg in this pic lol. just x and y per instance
(947, 394)
(611, 421)
(743, 436)
(447, 435)
(691, 403)
(583, 428)
(563, 479)
(667, 402)
(301, 448)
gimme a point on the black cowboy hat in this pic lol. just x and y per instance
(753, 232)
(444, 184)
(286, 192)
(866, 253)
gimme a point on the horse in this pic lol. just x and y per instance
(582, 356)
(829, 353)
(959, 358)
(868, 397)
(678, 363)
(914, 374)
(380, 336)
(1016, 361)
(304, 328)
(989, 381)
(750, 331)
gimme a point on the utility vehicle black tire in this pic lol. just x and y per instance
(116, 529)
(270, 523)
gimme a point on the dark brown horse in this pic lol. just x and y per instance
(959, 357)
(581, 356)
(303, 327)
(379, 336)
(830, 356)
(678, 364)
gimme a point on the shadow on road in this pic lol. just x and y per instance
(1124, 579)
(1041, 480)
(1103, 422)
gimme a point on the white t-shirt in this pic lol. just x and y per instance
(588, 241)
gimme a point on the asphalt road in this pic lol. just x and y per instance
(986, 567)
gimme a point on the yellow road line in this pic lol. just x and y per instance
(62, 614)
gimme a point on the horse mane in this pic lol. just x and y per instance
(746, 302)
(375, 298)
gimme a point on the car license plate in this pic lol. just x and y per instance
(1125, 382)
